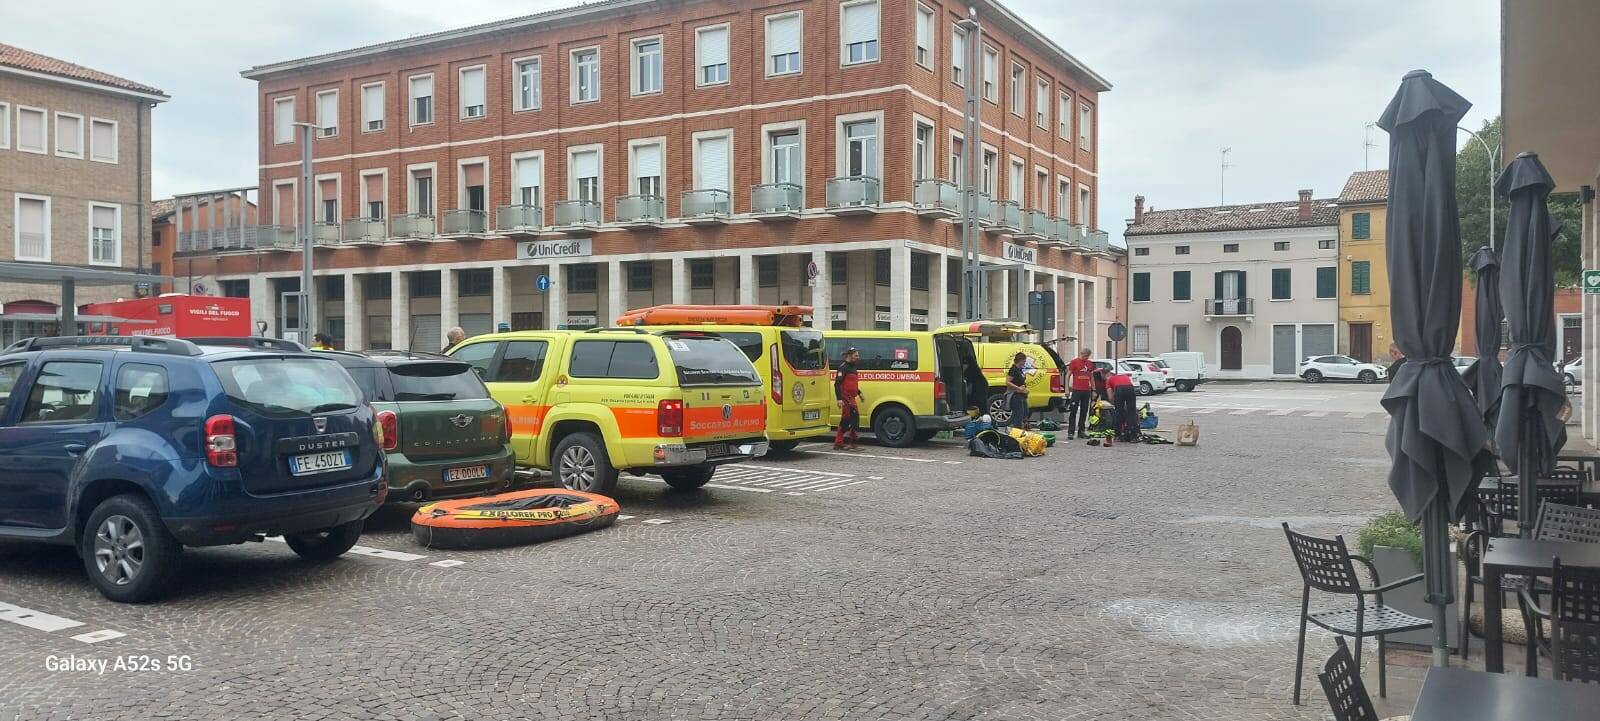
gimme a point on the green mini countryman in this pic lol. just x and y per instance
(443, 436)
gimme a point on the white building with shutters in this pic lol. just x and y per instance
(1253, 287)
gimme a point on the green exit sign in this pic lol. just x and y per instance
(1591, 282)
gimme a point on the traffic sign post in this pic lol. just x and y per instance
(542, 283)
(1116, 333)
(1591, 282)
(811, 273)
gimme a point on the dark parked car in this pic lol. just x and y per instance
(443, 435)
(132, 448)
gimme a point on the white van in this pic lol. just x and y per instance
(1187, 368)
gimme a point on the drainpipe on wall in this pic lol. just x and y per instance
(138, 201)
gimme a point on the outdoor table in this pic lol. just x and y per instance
(1457, 694)
(1586, 460)
(1522, 557)
(1589, 490)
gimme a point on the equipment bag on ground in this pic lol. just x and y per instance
(1188, 434)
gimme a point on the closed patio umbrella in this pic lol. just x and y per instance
(1484, 376)
(1436, 437)
(1531, 429)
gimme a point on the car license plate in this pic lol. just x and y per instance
(469, 473)
(811, 415)
(313, 463)
(716, 450)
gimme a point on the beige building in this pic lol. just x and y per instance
(74, 183)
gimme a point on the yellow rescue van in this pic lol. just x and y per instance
(914, 383)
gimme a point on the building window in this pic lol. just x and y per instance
(991, 74)
(421, 88)
(783, 44)
(1282, 289)
(69, 135)
(1141, 339)
(882, 267)
(1064, 117)
(1361, 226)
(475, 282)
(1180, 250)
(425, 284)
(641, 276)
(713, 162)
(786, 160)
(1111, 292)
(584, 166)
(32, 234)
(1085, 121)
(327, 113)
(1180, 338)
(529, 81)
(1230, 247)
(952, 277)
(958, 56)
(646, 164)
(1014, 188)
(702, 274)
(647, 65)
(1083, 206)
(1327, 281)
(858, 27)
(583, 278)
(422, 191)
(1326, 245)
(924, 53)
(102, 140)
(1141, 287)
(838, 269)
(1180, 285)
(371, 107)
(1041, 104)
(1280, 245)
(1141, 251)
(1019, 101)
(1360, 277)
(711, 55)
(5, 125)
(861, 148)
(958, 171)
(919, 271)
(377, 287)
(105, 234)
(766, 271)
(990, 157)
(472, 92)
(527, 175)
(241, 288)
(282, 122)
(922, 160)
(586, 75)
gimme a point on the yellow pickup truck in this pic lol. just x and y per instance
(588, 405)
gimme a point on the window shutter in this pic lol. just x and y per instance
(784, 35)
(860, 23)
(713, 46)
(105, 217)
(31, 219)
(472, 91)
(713, 164)
(375, 190)
(1180, 285)
(924, 29)
(647, 161)
(102, 138)
(282, 122)
(586, 165)
(328, 110)
(527, 173)
(372, 103)
(1141, 286)
(422, 87)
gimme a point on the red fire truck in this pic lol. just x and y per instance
(174, 315)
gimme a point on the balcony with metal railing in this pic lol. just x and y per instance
(1036, 226)
(364, 231)
(1096, 241)
(710, 206)
(853, 194)
(325, 234)
(519, 220)
(777, 201)
(464, 223)
(277, 237)
(1005, 216)
(413, 226)
(935, 198)
(577, 217)
(640, 211)
(1229, 308)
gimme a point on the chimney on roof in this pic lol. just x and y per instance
(1305, 205)
(1138, 209)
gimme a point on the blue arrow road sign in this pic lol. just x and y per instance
(542, 283)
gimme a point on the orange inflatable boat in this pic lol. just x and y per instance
(509, 519)
(792, 316)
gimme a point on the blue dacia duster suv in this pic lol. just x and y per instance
(131, 448)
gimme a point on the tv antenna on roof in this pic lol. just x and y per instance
(1366, 146)
(1222, 192)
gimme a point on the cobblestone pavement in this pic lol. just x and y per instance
(1147, 582)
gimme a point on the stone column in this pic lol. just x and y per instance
(747, 278)
(938, 295)
(449, 313)
(555, 307)
(680, 280)
(400, 311)
(900, 286)
(355, 313)
(262, 305)
(500, 296)
(821, 292)
(616, 293)
(1069, 315)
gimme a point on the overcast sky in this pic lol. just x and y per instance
(1288, 85)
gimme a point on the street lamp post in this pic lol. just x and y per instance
(1488, 153)
(974, 300)
(308, 303)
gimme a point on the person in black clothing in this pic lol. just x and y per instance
(1017, 390)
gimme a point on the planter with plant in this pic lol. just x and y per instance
(1394, 544)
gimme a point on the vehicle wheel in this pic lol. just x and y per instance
(1368, 377)
(1313, 376)
(999, 410)
(327, 544)
(895, 427)
(782, 446)
(925, 436)
(581, 464)
(127, 550)
(1184, 386)
(688, 479)
(1145, 388)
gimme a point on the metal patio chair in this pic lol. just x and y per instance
(1573, 642)
(1556, 522)
(1499, 504)
(1328, 566)
(1347, 696)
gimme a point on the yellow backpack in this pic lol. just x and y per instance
(1033, 444)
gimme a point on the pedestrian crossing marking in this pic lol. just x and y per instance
(1280, 413)
(1356, 414)
(1317, 414)
(1202, 411)
(105, 634)
(767, 479)
(1242, 412)
(36, 620)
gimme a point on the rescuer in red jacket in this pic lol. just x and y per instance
(847, 391)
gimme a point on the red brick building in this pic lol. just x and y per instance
(681, 151)
(1568, 330)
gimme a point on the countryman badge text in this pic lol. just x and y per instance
(539, 249)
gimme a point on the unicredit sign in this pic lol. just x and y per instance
(541, 249)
